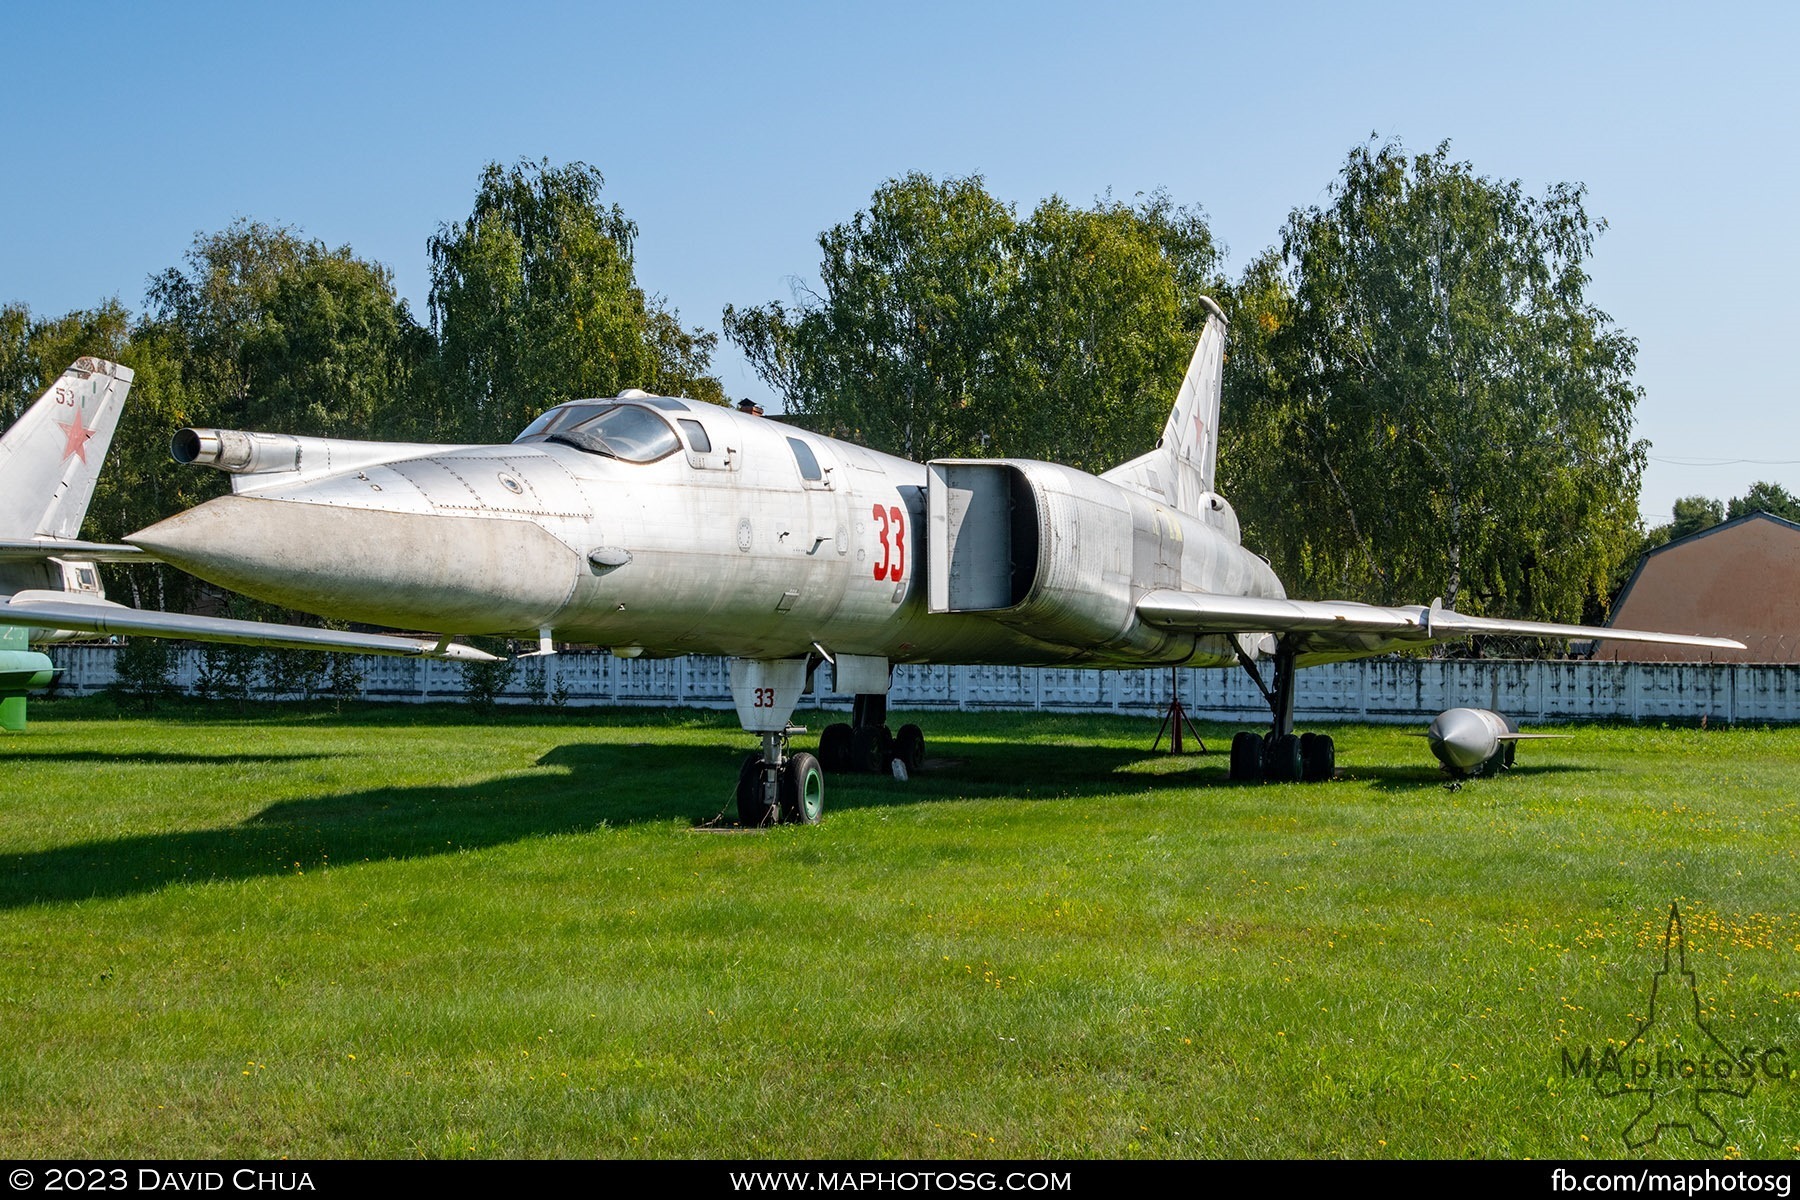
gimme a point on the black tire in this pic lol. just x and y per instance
(1506, 755)
(834, 748)
(868, 748)
(1318, 757)
(802, 790)
(909, 747)
(1246, 757)
(754, 811)
(1284, 765)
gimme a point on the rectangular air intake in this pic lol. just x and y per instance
(981, 536)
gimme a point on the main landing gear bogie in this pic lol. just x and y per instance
(1283, 758)
(865, 745)
(1281, 755)
(844, 749)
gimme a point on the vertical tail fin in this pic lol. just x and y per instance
(50, 458)
(1191, 435)
(1180, 469)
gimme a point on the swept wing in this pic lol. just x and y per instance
(106, 618)
(1324, 626)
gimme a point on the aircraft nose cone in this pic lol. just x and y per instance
(212, 542)
(1461, 739)
(412, 570)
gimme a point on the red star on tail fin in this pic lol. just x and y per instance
(78, 435)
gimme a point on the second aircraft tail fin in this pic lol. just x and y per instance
(50, 458)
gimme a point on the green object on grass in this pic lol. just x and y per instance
(21, 669)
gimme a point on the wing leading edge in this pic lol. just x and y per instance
(106, 618)
(1360, 625)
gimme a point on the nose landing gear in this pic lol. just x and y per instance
(774, 786)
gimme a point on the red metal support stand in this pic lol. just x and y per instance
(1176, 717)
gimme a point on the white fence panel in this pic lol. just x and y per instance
(1382, 689)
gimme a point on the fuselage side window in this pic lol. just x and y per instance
(696, 435)
(806, 459)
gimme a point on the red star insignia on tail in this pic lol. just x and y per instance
(78, 433)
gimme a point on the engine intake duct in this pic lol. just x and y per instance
(982, 541)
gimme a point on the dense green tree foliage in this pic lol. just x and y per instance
(535, 300)
(1768, 497)
(1421, 401)
(1694, 513)
(945, 325)
(273, 331)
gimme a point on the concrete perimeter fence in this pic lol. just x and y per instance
(1384, 689)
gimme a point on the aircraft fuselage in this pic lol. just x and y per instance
(748, 538)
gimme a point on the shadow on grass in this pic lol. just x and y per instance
(1411, 779)
(604, 785)
(576, 788)
(955, 771)
(153, 757)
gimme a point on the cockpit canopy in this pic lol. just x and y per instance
(627, 428)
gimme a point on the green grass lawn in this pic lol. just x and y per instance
(402, 931)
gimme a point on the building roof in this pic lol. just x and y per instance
(1733, 586)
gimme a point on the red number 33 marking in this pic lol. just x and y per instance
(765, 698)
(893, 544)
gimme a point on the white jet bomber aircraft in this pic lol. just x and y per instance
(659, 526)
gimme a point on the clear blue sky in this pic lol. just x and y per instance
(734, 133)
